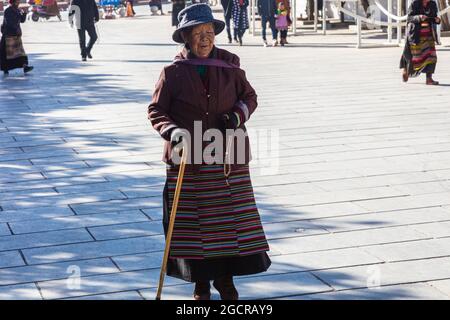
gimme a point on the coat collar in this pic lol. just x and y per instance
(185, 53)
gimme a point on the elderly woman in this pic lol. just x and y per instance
(419, 55)
(12, 54)
(218, 232)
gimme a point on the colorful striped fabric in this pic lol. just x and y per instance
(424, 53)
(215, 219)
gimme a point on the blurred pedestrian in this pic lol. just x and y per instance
(240, 18)
(227, 6)
(12, 53)
(419, 55)
(177, 6)
(130, 3)
(157, 4)
(282, 22)
(267, 10)
(86, 13)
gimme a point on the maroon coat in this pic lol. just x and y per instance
(181, 97)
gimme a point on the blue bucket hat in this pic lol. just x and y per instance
(194, 15)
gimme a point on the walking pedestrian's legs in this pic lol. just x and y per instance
(82, 40)
(92, 38)
(263, 26)
(228, 25)
(273, 28)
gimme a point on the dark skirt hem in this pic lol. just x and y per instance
(192, 270)
(5, 64)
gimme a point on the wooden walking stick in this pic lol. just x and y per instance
(171, 222)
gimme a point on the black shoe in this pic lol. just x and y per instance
(83, 59)
(89, 55)
(202, 290)
(226, 288)
(27, 69)
(6, 73)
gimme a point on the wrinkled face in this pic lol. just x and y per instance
(201, 39)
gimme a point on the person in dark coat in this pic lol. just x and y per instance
(177, 6)
(86, 13)
(227, 6)
(12, 54)
(240, 18)
(157, 4)
(218, 232)
(419, 55)
(267, 9)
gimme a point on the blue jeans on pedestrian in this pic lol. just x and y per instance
(271, 20)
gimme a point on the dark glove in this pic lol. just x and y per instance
(230, 120)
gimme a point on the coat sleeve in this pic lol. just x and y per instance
(159, 108)
(413, 13)
(11, 20)
(247, 102)
(96, 15)
(72, 10)
(23, 17)
(434, 11)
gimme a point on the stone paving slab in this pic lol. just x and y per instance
(123, 281)
(347, 239)
(435, 230)
(141, 261)
(10, 259)
(441, 285)
(34, 213)
(4, 230)
(74, 222)
(43, 239)
(124, 295)
(416, 291)
(64, 270)
(139, 229)
(387, 274)
(97, 249)
(27, 291)
(415, 250)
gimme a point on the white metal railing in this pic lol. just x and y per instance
(400, 20)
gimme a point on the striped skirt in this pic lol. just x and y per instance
(217, 228)
(424, 53)
(215, 218)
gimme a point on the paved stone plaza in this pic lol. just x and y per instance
(359, 206)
